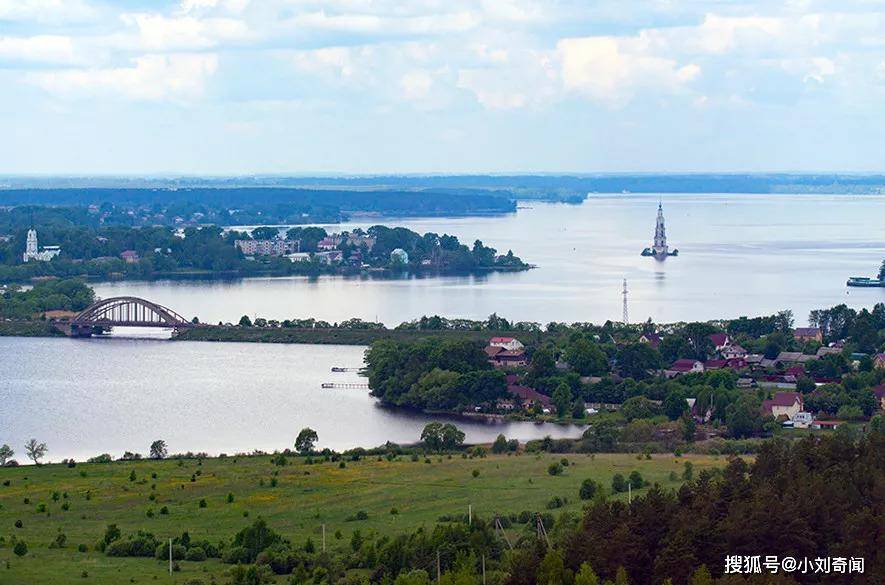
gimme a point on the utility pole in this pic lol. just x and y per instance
(324, 538)
(438, 571)
(626, 314)
(170, 556)
(483, 570)
(470, 514)
(629, 493)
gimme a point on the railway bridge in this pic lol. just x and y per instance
(122, 312)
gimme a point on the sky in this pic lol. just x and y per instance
(228, 87)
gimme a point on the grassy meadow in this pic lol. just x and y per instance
(295, 499)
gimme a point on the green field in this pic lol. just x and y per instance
(305, 497)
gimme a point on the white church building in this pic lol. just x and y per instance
(33, 252)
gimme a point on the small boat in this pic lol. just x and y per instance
(863, 281)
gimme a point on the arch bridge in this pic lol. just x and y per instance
(124, 312)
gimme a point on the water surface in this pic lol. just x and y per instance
(739, 255)
(85, 397)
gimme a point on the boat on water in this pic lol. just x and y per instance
(863, 281)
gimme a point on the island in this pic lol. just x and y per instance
(121, 252)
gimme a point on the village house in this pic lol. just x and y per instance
(526, 397)
(802, 420)
(329, 243)
(734, 352)
(715, 364)
(825, 351)
(129, 256)
(806, 334)
(506, 358)
(793, 357)
(829, 425)
(358, 240)
(653, 339)
(506, 343)
(720, 341)
(879, 393)
(787, 404)
(330, 257)
(879, 361)
(684, 366)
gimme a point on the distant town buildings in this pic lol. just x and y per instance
(33, 252)
(274, 247)
(129, 256)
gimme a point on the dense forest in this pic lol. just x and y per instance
(250, 206)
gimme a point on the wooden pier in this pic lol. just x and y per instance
(348, 385)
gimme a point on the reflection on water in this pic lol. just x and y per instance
(739, 255)
(90, 396)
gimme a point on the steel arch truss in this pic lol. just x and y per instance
(129, 312)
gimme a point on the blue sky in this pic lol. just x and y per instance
(391, 86)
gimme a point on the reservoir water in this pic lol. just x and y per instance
(739, 255)
(85, 397)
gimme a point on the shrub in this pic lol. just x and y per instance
(143, 544)
(230, 498)
(203, 502)
(250, 541)
(555, 502)
(59, 542)
(636, 481)
(82, 548)
(361, 515)
(18, 524)
(162, 552)
(555, 469)
(164, 510)
(195, 553)
(589, 488)
(475, 473)
(20, 548)
(619, 484)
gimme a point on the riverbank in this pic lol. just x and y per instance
(313, 336)
(334, 336)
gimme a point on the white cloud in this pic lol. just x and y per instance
(416, 85)
(611, 69)
(362, 23)
(721, 34)
(46, 11)
(37, 49)
(151, 77)
(161, 33)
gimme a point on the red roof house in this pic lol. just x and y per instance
(528, 395)
(784, 404)
(720, 340)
